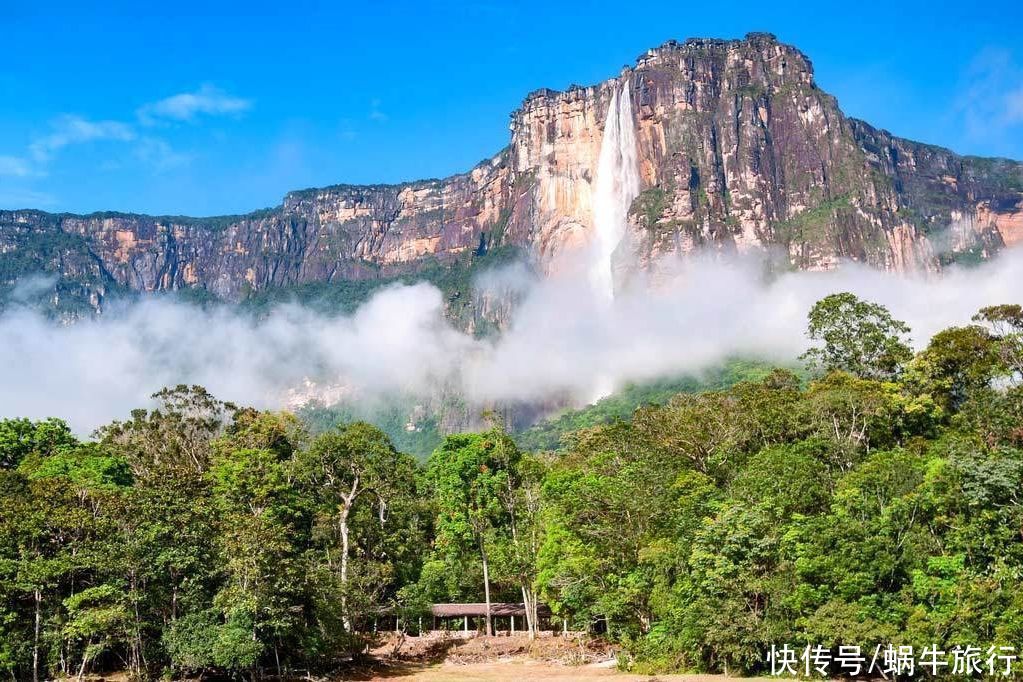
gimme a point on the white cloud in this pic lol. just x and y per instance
(186, 106)
(990, 101)
(562, 341)
(159, 155)
(375, 113)
(72, 129)
(1015, 106)
(346, 130)
(21, 197)
(15, 166)
(69, 130)
(32, 287)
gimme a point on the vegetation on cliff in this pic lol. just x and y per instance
(455, 279)
(741, 151)
(875, 501)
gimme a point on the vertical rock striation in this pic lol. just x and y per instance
(737, 150)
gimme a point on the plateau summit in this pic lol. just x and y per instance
(704, 145)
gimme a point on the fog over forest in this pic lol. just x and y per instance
(562, 340)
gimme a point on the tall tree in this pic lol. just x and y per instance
(263, 535)
(1006, 322)
(22, 437)
(960, 361)
(175, 436)
(471, 474)
(355, 469)
(856, 336)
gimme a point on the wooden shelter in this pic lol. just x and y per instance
(465, 619)
(471, 617)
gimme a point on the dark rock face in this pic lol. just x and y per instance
(962, 203)
(746, 152)
(336, 233)
(738, 150)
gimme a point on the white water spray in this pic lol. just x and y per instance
(617, 185)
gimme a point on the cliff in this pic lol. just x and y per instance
(737, 149)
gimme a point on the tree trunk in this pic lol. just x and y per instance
(525, 607)
(536, 618)
(345, 618)
(529, 604)
(35, 641)
(137, 655)
(85, 660)
(486, 588)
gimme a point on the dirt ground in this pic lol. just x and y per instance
(455, 649)
(522, 671)
(441, 658)
(503, 659)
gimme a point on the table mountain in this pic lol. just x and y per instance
(735, 147)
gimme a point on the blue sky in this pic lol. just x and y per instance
(212, 108)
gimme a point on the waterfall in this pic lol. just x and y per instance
(617, 185)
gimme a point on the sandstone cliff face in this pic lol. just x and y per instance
(961, 203)
(738, 151)
(329, 234)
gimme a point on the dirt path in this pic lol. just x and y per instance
(518, 671)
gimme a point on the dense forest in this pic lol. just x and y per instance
(874, 499)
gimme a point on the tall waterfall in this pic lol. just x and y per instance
(617, 185)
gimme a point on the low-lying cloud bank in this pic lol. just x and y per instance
(562, 341)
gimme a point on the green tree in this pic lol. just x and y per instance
(20, 438)
(50, 527)
(1006, 322)
(856, 336)
(959, 361)
(175, 436)
(98, 617)
(360, 478)
(514, 553)
(471, 474)
(608, 502)
(260, 537)
(853, 416)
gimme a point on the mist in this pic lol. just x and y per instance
(562, 341)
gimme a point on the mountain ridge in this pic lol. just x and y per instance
(738, 149)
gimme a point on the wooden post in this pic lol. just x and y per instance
(420, 626)
(513, 624)
(467, 623)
